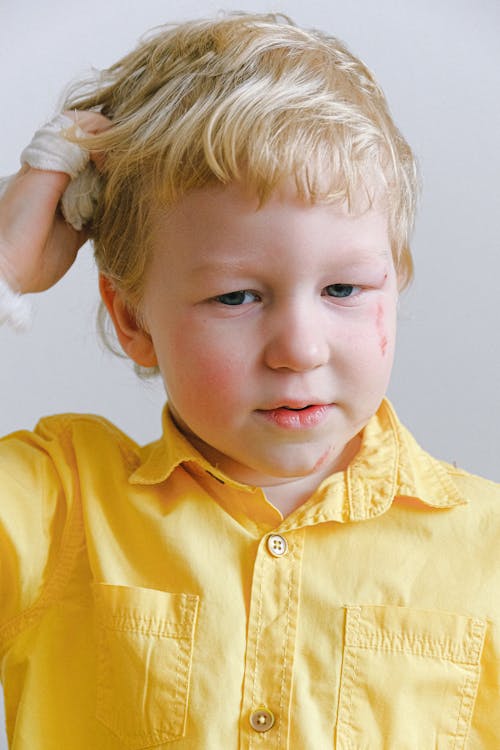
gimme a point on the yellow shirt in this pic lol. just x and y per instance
(148, 601)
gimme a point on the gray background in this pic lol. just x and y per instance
(439, 63)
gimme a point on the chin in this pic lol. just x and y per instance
(297, 469)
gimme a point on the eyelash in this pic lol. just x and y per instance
(243, 292)
(238, 297)
(341, 288)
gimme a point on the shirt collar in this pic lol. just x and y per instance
(389, 464)
(159, 459)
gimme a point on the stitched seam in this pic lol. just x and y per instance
(123, 626)
(178, 682)
(478, 630)
(56, 580)
(124, 441)
(397, 451)
(257, 644)
(456, 736)
(468, 693)
(354, 678)
(470, 686)
(430, 653)
(349, 676)
(189, 666)
(350, 497)
(285, 655)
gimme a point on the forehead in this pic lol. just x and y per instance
(230, 223)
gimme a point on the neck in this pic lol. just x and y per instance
(290, 494)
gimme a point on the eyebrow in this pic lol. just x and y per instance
(366, 255)
(367, 259)
(236, 266)
(212, 266)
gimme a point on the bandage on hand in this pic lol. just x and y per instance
(38, 245)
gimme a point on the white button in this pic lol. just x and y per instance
(262, 720)
(277, 545)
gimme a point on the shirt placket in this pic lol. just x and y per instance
(272, 629)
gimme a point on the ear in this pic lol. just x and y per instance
(134, 340)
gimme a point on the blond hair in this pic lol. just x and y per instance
(242, 97)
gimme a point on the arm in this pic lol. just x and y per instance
(37, 245)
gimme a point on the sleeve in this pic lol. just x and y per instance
(37, 490)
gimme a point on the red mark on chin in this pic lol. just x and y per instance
(322, 460)
(381, 329)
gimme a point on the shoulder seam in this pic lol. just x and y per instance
(463, 474)
(66, 424)
(69, 419)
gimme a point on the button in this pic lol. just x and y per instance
(262, 720)
(277, 545)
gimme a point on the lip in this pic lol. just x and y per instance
(296, 415)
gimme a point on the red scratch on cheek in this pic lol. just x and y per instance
(381, 329)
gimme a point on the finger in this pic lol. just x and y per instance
(91, 123)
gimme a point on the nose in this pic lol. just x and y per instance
(297, 339)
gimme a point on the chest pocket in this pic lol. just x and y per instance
(145, 642)
(409, 679)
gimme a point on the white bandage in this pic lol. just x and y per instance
(13, 308)
(80, 198)
(51, 151)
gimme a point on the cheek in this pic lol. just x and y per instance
(221, 376)
(203, 366)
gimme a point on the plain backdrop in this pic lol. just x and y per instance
(439, 64)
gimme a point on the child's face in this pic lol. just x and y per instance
(274, 328)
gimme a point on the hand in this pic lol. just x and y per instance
(37, 246)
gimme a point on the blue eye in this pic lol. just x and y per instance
(242, 297)
(340, 290)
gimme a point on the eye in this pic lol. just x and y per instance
(340, 291)
(242, 297)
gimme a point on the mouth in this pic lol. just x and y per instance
(297, 404)
(297, 408)
(296, 415)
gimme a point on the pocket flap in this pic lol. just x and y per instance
(437, 634)
(145, 611)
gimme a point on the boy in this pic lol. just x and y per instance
(285, 567)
